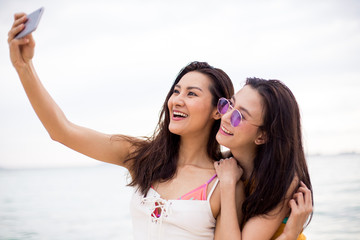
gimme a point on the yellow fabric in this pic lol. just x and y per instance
(281, 229)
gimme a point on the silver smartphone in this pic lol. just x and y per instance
(32, 22)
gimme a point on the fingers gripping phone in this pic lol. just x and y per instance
(31, 23)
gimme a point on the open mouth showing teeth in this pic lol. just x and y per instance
(180, 114)
(226, 131)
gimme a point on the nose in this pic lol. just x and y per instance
(227, 116)
(178, 100)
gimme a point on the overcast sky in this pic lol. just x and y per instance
(109, 65)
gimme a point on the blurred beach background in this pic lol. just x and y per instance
(109, 65)
(87, 203)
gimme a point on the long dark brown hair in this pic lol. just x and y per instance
(156, 157)
(282, 157)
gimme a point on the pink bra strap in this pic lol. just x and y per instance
(203, 187)
(212, 178)
(207, 184)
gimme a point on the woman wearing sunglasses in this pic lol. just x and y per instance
(260, 125)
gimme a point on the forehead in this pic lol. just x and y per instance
(195, 79)
(250, 99)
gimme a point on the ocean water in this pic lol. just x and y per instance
(90, 203)
(336, 185)
(86, 203)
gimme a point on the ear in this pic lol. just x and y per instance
(261, 138)
(216, 115)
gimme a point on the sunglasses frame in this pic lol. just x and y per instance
(233, 114)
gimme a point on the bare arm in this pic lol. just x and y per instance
(86, 141)
(262, 227)
(232, 197)
(301, 208)
(259, 227)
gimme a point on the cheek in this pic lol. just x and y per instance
(246, 133)
(204, 108)
(169, 104)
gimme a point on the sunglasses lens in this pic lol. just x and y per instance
(235, 118)
(223, 105)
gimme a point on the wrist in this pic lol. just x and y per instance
(24, 68)
(288, 235)
(227, 185)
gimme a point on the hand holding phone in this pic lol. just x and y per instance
(31, 24)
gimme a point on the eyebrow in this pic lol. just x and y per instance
(241, 108)
(189, 88)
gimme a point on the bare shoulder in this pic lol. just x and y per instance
(131, 144)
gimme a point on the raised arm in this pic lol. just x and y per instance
(86, 141)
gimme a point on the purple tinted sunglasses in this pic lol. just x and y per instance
(223, 106)
(236, 116)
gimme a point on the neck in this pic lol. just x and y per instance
(245, 157)
(193, 151)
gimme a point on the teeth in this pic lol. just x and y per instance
(225, 130)
(180, 114)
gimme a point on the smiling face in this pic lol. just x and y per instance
(191, 111)
(249, 102)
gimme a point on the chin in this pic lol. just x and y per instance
(174, 130)
(217, 136)
(220, 140)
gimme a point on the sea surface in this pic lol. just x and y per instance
(90, 203)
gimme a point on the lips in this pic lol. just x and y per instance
(225, 131)
(177, 115)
